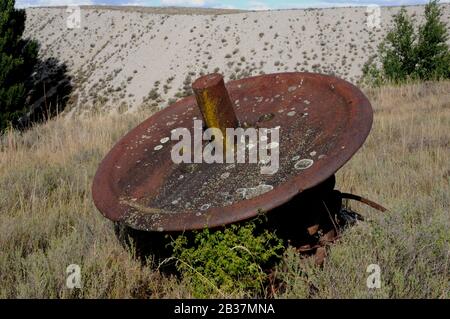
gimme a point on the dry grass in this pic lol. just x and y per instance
(405, 165)
(48, 220)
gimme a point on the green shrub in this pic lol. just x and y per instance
(17, 59)
(409, 55)
(397, 51)
(432, 50)
(371, 73)
(228, 262)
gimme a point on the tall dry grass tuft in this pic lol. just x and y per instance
(48, 220)
(405, 165)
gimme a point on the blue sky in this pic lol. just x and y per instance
(240, 4)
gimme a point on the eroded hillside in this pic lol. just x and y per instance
(126, 59)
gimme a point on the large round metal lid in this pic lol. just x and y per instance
(322, 122)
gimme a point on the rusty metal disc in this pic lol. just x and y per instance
(323, 121)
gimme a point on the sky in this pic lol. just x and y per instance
(230, 4)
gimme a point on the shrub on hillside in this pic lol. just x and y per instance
(433, 56)
(409, 54)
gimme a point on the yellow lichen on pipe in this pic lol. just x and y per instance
(210, 112)
(215, 103)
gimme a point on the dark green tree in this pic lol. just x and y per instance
(17, 59)
(405, 54)
(432, 50)
(397, 51)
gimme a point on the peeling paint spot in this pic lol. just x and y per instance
(225, 175)
(258, 190)
(291, 113)
(251, 192)
(304, 163)
(231, 166)
(241, 191)
(205, 206)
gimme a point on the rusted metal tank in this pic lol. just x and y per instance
(322, 122)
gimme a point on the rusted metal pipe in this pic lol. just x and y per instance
(214, 102)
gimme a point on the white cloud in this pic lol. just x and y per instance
(226, 6)
(256, 5)
(189, 3)
(46, 3)
(140, 3)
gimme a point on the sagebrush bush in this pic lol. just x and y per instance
(229, 261)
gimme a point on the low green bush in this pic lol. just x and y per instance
(228, 262)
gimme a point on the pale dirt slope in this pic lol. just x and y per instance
(118, 55)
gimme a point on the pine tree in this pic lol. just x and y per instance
(17, 59)
(432, 50)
